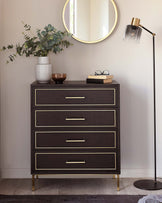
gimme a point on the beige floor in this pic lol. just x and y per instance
(71, 187)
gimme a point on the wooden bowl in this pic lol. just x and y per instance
(59, 77)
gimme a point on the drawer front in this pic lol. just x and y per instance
(75, 161)
(75, 118)
(75, 139)
(75, 97)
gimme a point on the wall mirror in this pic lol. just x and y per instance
(90, 21)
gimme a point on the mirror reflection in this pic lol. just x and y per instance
(90, 21)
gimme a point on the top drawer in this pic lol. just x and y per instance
(76, 97)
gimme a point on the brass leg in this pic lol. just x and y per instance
(33, 183)
(118, 188)
(36, 176)
(114, 176)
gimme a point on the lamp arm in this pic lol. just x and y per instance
(147, 30)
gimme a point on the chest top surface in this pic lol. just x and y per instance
(73, 84)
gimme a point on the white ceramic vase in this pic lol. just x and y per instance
(43, 72)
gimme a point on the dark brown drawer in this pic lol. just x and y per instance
(75, 139)
(75, 97)
(75, 161)
(75, 118)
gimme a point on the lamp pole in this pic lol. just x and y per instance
(154, 102)
(154, 84)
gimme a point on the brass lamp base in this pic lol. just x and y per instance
(148, 184)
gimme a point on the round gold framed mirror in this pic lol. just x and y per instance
(90, 21)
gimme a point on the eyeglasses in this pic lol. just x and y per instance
(98, 72)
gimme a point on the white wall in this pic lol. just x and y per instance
(130, 63)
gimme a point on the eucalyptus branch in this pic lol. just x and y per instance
(47, 40)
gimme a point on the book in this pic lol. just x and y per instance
(100, 77)
(99, 81)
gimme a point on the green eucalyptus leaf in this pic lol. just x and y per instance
(44, 33)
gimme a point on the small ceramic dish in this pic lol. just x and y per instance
(59, 77)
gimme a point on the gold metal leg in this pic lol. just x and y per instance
(114, 176)
(36, 176)
(33, 182)
(118, 187)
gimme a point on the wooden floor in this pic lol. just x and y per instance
(71, 187)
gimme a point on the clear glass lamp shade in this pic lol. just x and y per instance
(133, 32)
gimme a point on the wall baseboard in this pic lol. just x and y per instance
(125, 173)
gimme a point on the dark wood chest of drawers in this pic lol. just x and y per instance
(75, 128)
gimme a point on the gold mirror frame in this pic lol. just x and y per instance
(92, 42)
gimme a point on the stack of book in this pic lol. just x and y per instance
(102, 79)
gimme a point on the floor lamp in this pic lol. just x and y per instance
(134, 31)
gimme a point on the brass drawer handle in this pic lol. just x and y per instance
(75, 119)
(75, 162)
(74, 97)
(75, 141)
